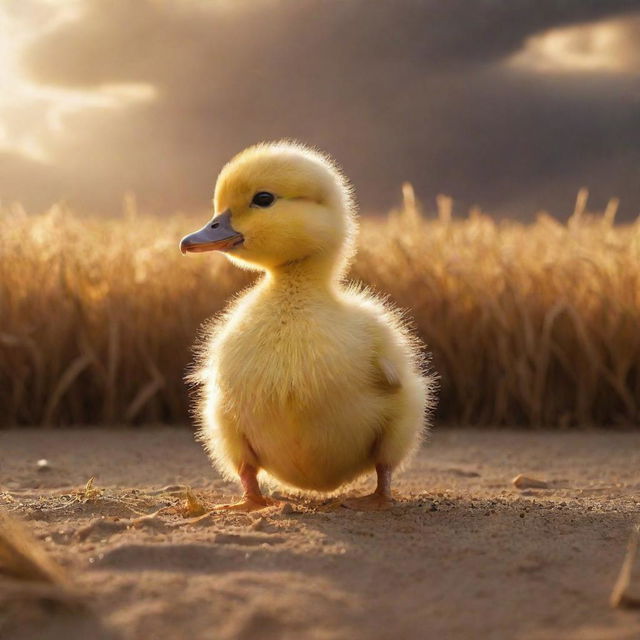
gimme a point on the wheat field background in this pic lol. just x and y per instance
(529, 324)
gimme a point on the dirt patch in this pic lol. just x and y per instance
(463, 554)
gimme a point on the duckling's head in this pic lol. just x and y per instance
(280, 204)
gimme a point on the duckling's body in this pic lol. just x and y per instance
(312, 402)
(311, 381)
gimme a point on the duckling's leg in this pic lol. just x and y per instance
(379, 499)
(252, 498)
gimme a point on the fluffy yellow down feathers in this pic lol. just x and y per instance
(306, 379)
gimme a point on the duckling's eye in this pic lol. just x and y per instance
(263, 199)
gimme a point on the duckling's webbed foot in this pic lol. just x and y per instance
(252, 498)
(380, 499)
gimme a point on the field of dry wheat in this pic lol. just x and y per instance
(529, 324)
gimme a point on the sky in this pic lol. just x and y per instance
(509, 105)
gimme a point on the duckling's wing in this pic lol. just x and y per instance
(389, 373)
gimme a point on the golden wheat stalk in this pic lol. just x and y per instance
(531, 324)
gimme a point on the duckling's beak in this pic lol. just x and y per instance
(216, 235)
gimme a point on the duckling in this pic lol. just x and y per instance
(304, 378)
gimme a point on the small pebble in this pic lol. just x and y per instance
(259, 525)
(525, 482)
(43, 465)
(286, 509)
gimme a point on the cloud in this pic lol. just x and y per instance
(606, 46)
(426, 91)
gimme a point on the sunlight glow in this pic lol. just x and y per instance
(31, 114)
(606, 46)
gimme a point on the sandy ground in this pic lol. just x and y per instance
(463, 554)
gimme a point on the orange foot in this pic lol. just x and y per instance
(372, 502)
(247, 504)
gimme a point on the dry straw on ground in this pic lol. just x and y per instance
(23, 558)
(621, 596)
(30, 577)
(531, 324)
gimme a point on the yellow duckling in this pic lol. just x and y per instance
(305, 378)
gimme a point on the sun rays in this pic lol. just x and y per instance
(33, 114)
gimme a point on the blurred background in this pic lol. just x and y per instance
(509, 105)
(495, 150)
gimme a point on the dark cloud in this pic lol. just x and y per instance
(394, 90)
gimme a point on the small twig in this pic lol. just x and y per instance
(172, 489)
(101, 526)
